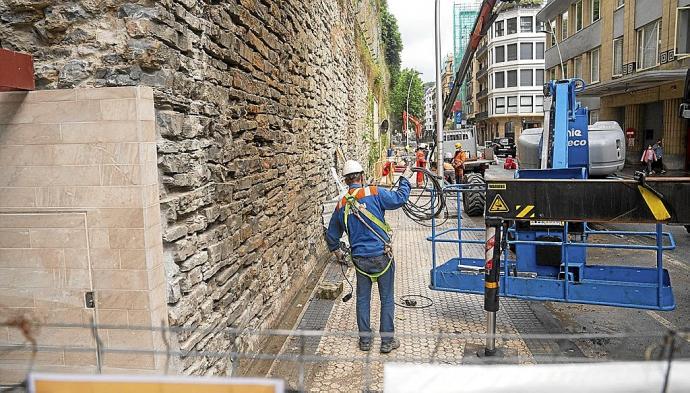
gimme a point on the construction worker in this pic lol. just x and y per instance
(360, 213)
(420, 163)
(458, 162)
(448, 170)
(388, 171)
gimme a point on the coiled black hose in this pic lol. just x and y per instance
(419, 206)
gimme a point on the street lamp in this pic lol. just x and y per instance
(558, 47)
(407, 109)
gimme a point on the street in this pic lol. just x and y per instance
(579, 318)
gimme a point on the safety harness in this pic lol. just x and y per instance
(357, 209)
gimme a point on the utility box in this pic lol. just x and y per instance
(16, 71)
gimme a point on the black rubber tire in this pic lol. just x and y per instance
(473, 201)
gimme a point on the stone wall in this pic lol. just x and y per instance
(252, 97)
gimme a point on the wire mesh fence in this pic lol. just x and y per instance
(307, 360)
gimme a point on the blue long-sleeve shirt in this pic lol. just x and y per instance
(363, 242)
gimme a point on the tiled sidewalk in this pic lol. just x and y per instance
(450, 313)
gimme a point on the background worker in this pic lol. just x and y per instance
(360, 214)
(388, 171)
(448, 170)
(420, 163)
(458, 163)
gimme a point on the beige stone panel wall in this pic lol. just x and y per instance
(675, 133)
(79, 213)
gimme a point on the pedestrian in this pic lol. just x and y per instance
(459, 163)
(420, 163)
(648, 157)
(361, 214)
(659, 151)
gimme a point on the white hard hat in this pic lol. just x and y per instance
(351, 167)
(422, 145)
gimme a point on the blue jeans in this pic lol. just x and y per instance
(386, 294)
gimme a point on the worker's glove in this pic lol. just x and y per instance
(339, 255)
(408, 172)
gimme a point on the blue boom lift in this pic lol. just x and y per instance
(546, 213)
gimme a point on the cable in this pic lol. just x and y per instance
(408, 301)
(418, 207)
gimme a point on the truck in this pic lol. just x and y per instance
(474, 167)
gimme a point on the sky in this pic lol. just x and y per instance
(416, 24)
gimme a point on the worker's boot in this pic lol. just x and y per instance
(388, 346)
(364, 345)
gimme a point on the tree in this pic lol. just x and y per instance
(392, 42)
(399, 97)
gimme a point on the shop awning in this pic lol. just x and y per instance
(634, 82)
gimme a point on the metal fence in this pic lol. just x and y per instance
(326, 360)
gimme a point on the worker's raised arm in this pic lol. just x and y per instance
(335, 230)
(391, 200)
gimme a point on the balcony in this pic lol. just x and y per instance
(481, 50)
(482, 72)
(482, 116)
(482, 94)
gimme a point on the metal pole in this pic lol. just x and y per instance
(439, 94)
(407, 111)
(558, 48)
(492, 275)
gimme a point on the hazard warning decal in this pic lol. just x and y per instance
(498, 205)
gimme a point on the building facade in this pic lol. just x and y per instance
(633, 55)
(464, 16)
(510, 74)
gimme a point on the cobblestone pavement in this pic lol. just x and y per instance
(450, 313)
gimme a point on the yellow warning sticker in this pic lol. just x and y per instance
(498, 205)
(497, 186)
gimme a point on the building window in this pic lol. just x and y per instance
(618, 57)
(500, 54)
(683, 31)
(577, 67)
(539, 55)
(526, 51)
(525, 24)
(526, 77)
(620, 3)
(593, 116)
(552, 29)
(648, 45)
(564, 25)
(539, 77)
(541, 26)
(512, 78)
(552, 74)
(578, 16)
(499, 83)
(525, 104)
(565, 71)
(511, 26)
(512, 104)
(512, 52)
(538, 104)
(596, 7)
(594, 66)
(500, 105)
(498, 28)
